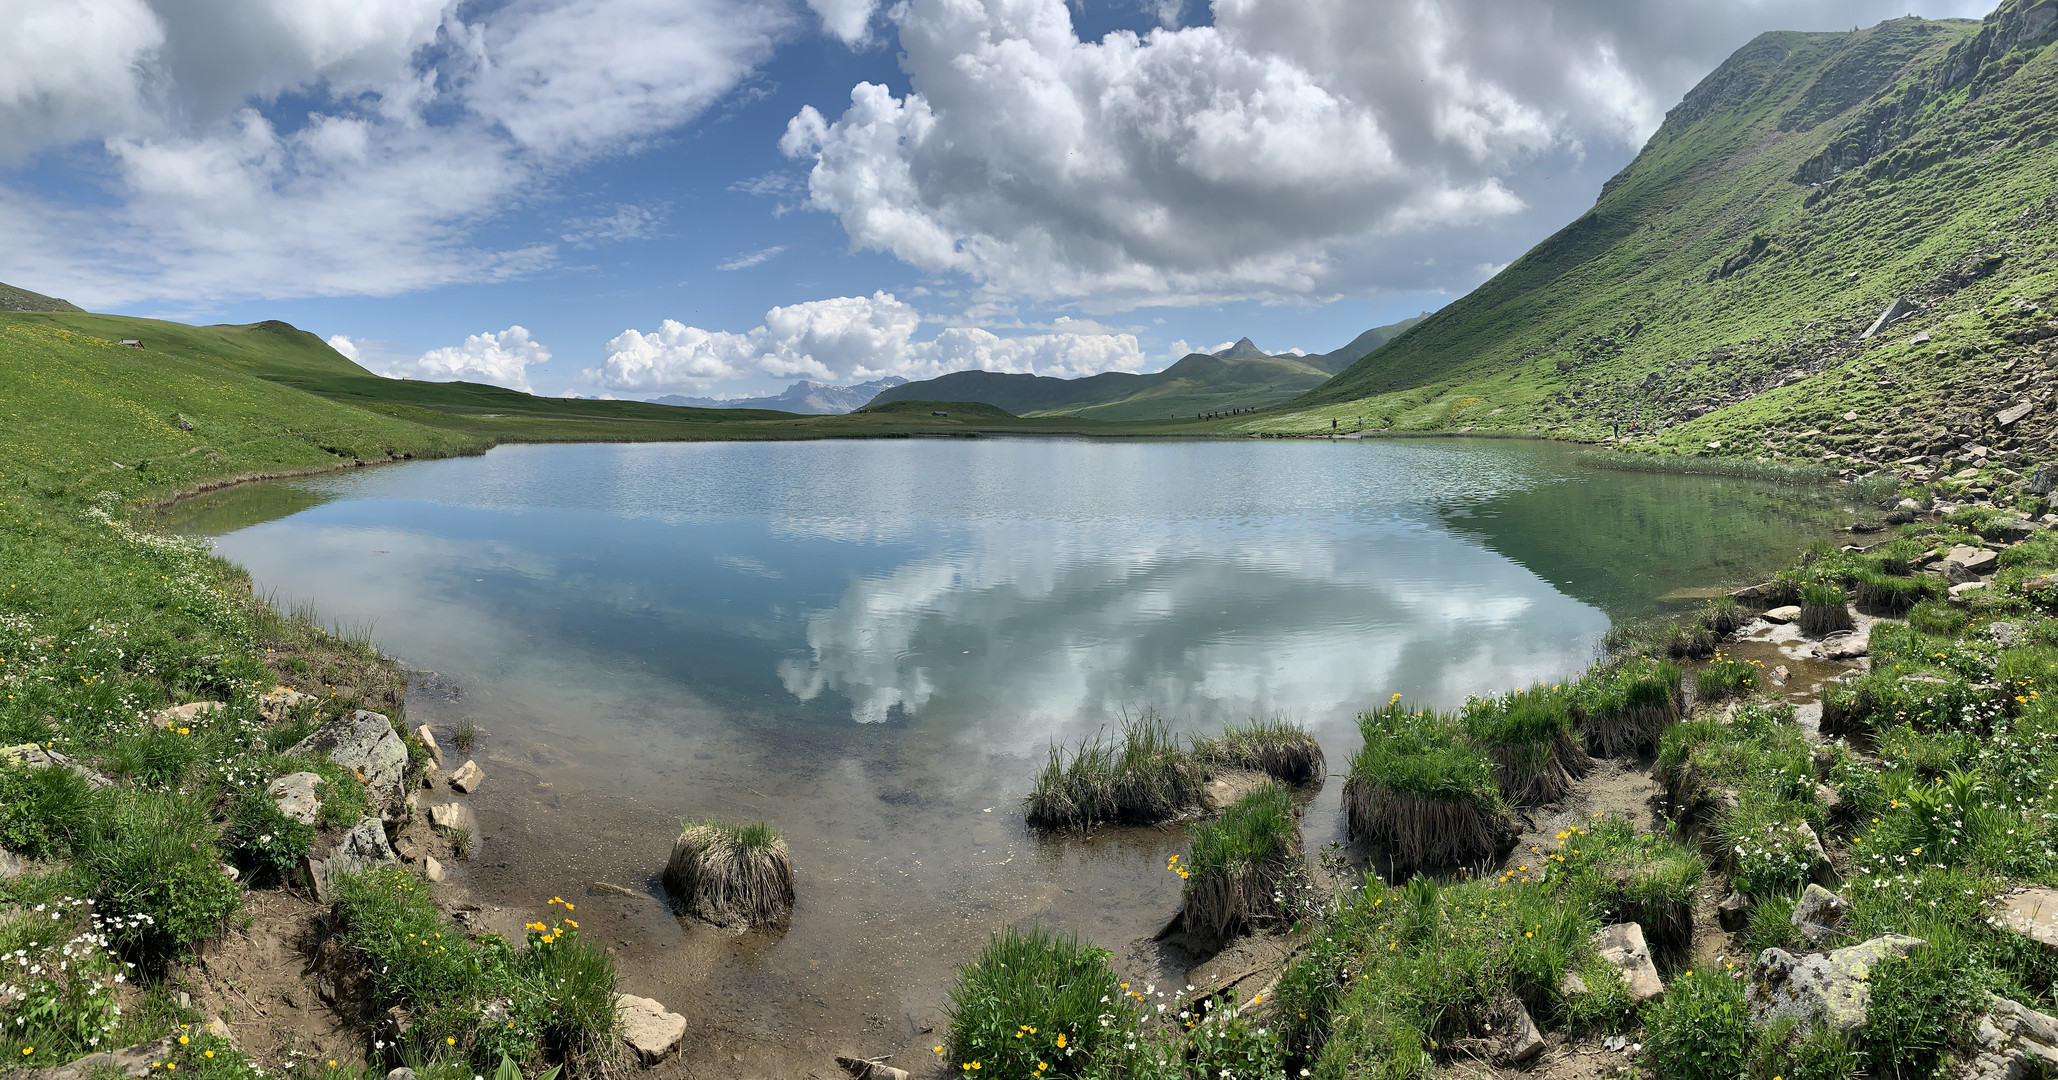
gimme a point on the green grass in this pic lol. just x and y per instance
(1714, 297)
(1421, 789)
(1627, 709)
(1726, 677)
(1281, 749)
(1529, 734)
(1145, 776)
(1649, 880)
(1823, 609)
(1244, 862)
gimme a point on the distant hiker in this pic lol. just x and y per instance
(1332, 423)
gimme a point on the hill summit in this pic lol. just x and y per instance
(13, 299)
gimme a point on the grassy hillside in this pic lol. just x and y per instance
(1717, 294)
(1199, 383)
(13, 299)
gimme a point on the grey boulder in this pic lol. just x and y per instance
(1821, 988)
(365, 743)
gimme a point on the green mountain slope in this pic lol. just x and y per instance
(1241, 377)
(1718, 294)
(13, 299)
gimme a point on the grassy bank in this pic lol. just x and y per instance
(1934, 801)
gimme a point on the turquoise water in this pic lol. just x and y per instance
(873, 644)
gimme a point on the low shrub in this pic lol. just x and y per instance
(1700, 1030)
(1148, 776)
(1627, 709)
(1726, 677)
(730, 874)
(41, 809)
(156, 871)
(1420, 789)
(1244, 860)
(1536, 751)
(1281, 749)
(266, 843)
(1788, 1051)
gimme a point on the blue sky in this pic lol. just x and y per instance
(639, 197)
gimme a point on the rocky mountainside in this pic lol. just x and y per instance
(1836, 248)
(812, 398)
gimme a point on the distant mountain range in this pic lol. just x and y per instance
(1241, 376)
(802, 397)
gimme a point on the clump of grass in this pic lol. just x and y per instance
(1148, 776)
(1883, 594)
(1937, 617)
(41, 809)
(1649, 880)
(1537, 753)
(1701, 1028)
(1626, 710)
(1823, 609)
(1726, 677)
(1284, 750)
(466, 734)
(730, 874)
(1242, 860)
(154, 864)
(1707, 766)
(1418, 787)
(1032, 1001)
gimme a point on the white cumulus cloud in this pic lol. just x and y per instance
(1289, 150)
(845, 339)
(502, 359)
(849, 20)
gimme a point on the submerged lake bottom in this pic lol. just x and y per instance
(873, 646)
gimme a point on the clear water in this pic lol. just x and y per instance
(873, 644)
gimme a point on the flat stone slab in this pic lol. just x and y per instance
(361, 849)
(1623, 946)
(2031, 912)
(36, 756)
(428, 739)
(279, 702)
(1229, 785)
(366, 743)
(295, 795)
(137, 1061)
(183, 715)
(1785, 614)
(1828, 988)
(649, 1029)
(454, 816)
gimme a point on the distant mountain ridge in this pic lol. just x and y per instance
(1241, 376)
(813, 398)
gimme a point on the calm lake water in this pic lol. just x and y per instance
(873, 644)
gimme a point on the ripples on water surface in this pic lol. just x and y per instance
(872, 645)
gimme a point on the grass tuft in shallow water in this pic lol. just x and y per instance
(1147, 776)
(1244, 861)
(1419, 788)
(1626, 710)
(730, 873)
(1284, 750)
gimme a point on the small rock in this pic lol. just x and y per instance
(428, 739)
(1229, 785)
(1964, 588)
(1819, 915)
(362, 848)
(1734, 912)
(365, 742)
(2044, 480)
(454, 816)
(2013, 1041)
(1846, 645)
(220, 1030)
(136, 1061)
(401, 1073)
(1520, 1041)
(1909, 505)
(865, 1069)
(11, 866)
(1780, 674)
(2009, 529)
(39, 757)
(1615, 1044)
(1785, 614)
(1622, 945)
(608, 888)
(295, 795)
(279, 702)
(1571, 986)
(1829, 988)
(179, 716)
(468, 777)
(2005, 634)
(2031, 912)
(648, 1028)
(432, 869)
(2007, 417)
